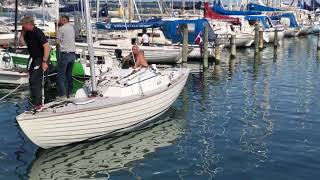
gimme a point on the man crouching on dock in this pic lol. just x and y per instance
(38, 48)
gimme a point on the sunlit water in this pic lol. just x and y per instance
(244, 119)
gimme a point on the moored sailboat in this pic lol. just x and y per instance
(117, 101)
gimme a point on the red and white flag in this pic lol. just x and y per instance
(198, 40)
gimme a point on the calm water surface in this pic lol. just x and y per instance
(245, 119)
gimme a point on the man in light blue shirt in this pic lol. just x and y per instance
(66, 42)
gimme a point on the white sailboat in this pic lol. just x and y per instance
(6, 36)
(153, 54)
(124, 100)
(244, 36)
(10, 74)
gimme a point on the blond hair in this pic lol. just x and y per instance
(27, 19)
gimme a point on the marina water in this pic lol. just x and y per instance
(248, 118)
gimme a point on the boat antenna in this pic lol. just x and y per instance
(90, 47)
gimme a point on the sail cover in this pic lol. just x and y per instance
(257, 7)
(208, 13)
(220, 10)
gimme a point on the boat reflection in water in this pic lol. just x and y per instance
(99, 158)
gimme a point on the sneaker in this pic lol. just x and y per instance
(61, 98)
(39, 108)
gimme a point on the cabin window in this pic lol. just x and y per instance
(100, 59)
(106, 44)
(269, 22)
(252, 22)
(150, 34)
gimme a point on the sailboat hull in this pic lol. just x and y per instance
(112, 116)
(153, 54)
(13, 77)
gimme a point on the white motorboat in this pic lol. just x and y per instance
(126, 100)
(107, 155)
(10, 74)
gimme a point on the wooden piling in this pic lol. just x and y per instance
(217, 53)
(276, 41)
(233, 46)
(318, 44)
(185, 43)
(256, 38)
(205, 48)
(260, 39)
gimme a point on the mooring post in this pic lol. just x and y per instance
(185, 43)
(233, 46)
(205, 48)
(318, 44)
(217, 54)
(260, 39)
(256, 38)
(276, 41)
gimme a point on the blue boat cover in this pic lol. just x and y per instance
(220, 10)
(172, 31)
(257, 7)
(170, 28)
(263, 19)
(290, 16)
(129, 26)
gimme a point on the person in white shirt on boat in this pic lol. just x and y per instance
(145, 39)
(66, 41)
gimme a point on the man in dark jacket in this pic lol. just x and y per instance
(38, 48)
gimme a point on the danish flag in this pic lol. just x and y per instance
(198, 40)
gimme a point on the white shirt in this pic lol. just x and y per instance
(66, 35)
(145, 38)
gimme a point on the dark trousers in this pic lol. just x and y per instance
(35, 81)
(65, 66)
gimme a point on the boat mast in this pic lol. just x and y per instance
(194, 7)
(97, 18)
(160, 6)
(43, 17)
(183, 6)
(16, 25)
(57, 14)
(90, 47)
(136, 8)
(171, 7)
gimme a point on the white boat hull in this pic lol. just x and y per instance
(5, 39)
(291, 32)
(242, 40)
(153, 54)
(112, 116)
(303, 31)
(195, 53)
(13, 77)
(270, 36)
(314, 29)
